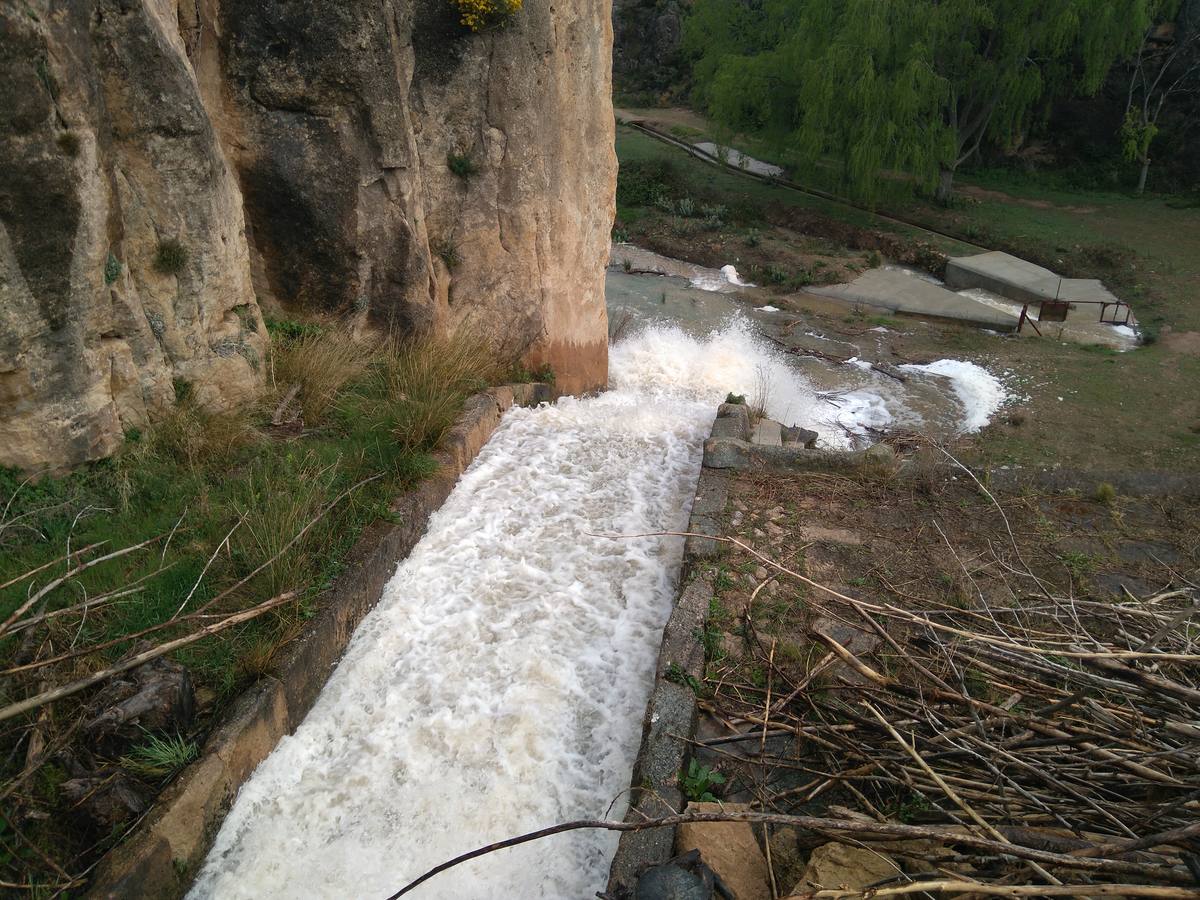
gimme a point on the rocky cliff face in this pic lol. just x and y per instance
(646, 51)
(168, 167)
(123, 264)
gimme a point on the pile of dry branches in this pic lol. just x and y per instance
(1055, 742)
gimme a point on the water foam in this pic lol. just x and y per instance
(980, 392)
(500, 682)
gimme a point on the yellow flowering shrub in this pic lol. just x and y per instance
(480, 14)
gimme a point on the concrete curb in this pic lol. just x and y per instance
(161, 857)
(671, 710)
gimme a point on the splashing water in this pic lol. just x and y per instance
(500, 683)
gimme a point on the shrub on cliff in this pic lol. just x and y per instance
(481, 14)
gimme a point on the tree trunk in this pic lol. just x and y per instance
(1141, 188)
(945, 187)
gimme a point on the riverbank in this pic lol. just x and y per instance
(1075, 400)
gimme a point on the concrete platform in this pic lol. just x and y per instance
(899, 292)
(1022, 281)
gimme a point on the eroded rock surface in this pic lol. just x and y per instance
(304, 157)
(107, 155)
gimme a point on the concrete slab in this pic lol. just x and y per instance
(768, 433)
(903, 293)
(1022, 281)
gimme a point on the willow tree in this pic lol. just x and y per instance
(908, 85)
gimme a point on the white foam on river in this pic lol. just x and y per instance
(500, 683)
(979, 391)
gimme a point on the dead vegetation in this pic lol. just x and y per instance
(946, 664)
(939, 681)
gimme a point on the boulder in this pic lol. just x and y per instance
(730, 849)
(843, 867)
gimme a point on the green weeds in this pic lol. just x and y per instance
(698, 782)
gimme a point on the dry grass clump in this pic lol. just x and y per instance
(281, 495)
(428, 379)
(321, 362)
(191, 437)
(761, 399)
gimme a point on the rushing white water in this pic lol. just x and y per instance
(500, 683)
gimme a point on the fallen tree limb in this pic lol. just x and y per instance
(949, 885)
(15, 709)
(855, 827)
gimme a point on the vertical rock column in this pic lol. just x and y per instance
(343, 118)
(123, 266)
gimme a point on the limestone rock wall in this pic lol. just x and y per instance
(106, 153)
(301, 154)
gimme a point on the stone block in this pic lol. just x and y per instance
(768, 433)
(730, 849)
(803, 437)
(732, 421)
(726, 453)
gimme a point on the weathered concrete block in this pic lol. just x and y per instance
(768, 433)
(639, 849)
(802, 437)
(679, 644)
(733, 421)
(726, 453)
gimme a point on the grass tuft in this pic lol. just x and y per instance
(279, 496)
(171, 257)
(462, 165)
(426, 381)
(159, 757)
(322, 361)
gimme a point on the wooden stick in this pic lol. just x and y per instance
(71, 573)
(1007, 890)
(15, 709)
(857, 827)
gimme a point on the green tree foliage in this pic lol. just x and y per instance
(909, 85)
(1167, 66)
